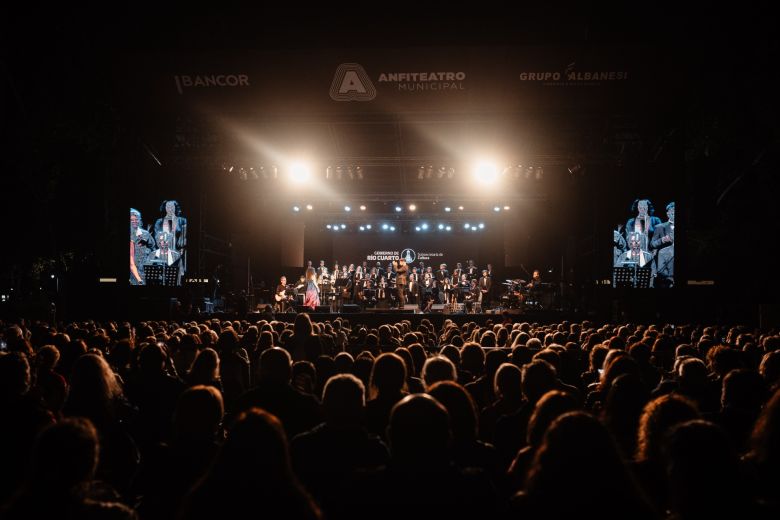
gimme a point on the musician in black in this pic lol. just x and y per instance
(485, 288)
(440, 276)
(457, 271)
(281, 298)
(472, 270)
(321, 270)
(414, 286)
(534, 287)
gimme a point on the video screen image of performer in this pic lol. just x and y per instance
(164, 244)
(141, 245)
(646, 242)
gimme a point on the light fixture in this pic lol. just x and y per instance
(328, 226)
(412, 207)
(424, 226)
(486, 172)
(398, 209)
(392, 228)
(362, 228)
(368, 226)
(466, 225)
(343, 226)
(447, 209)
(506, 208)
(496, 208)
(296, 209)
(448, 228)
(309, 207)
(362, 207)
(417, 228)
(421, 172)
(460, 208)
(385, 226)
(481, 225)
(441, 226)
(347, 209)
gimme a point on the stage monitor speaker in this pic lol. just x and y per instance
(411, 307)
(437, 307)
(323, 309)
(302, 308)
(350, 308)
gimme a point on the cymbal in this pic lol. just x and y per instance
(508, 283)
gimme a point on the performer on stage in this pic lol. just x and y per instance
(177, 226)
(441, 274)
(485, 286)
(414, 286)
(281, 295)
(472, 270)
(312, 296)
(643, 224)
(663, 243)
(401, 270)
(142, 244)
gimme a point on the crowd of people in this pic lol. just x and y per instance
(232, 419)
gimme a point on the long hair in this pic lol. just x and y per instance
(177, 207)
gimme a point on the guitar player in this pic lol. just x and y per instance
(281, 296)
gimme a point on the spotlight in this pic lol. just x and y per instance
(412, 207)
(447, 209)
(230, 170)
(481, 225)
(328, 226)
(347, 209)
(486, 172)
(417, 228)
(309, 207)
(539, 173)
(263, 172)
(274, 172)
(473, 228)
(339, 172)
(496, 209)
(351, 172)
(448, 228)
(252, 173)
(362, 228)
(421, 172)
(398, 209)
(296, 209)
(368, 226)
(343, 226)
(385, 226)
(362, 207)
(392, 228)
(299, 172)
(359, 171)
(460, 208)
(450, 172)
(506, 208)
(466, 225)
(441, 226)
(424, 226)
(329, 172)
(429, 171)
(242, 173)
(441, 171)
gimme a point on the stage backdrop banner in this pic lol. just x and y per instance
(432, 249)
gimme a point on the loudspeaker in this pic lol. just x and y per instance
(302, 308)
(323, 308)
(350, 307)
(411, 307)
(437, 307)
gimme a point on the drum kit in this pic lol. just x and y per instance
(516, 293)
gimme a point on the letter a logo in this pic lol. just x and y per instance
(351, 83)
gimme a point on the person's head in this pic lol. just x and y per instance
(198, 414)
(206, 366)
(322, 263)
(461, 408)
(343, 400)
(438, 368)
(388, 375)
(539, 377)
(135, 219)
(275, 365)
(670, 212)
(552, 405)
(658, 417)
(419, 432)
(634, 241)
(171, 208)
(283, 280)
(310, 273)
(537, 273)
(508, 382)
(642, 207)
(65, 454)
(484, 272)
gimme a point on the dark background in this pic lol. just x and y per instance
(89, 131)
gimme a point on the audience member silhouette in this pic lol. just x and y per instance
(252, 473)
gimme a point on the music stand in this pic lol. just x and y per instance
(161, 275)
(643, 277)
(623, 277)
